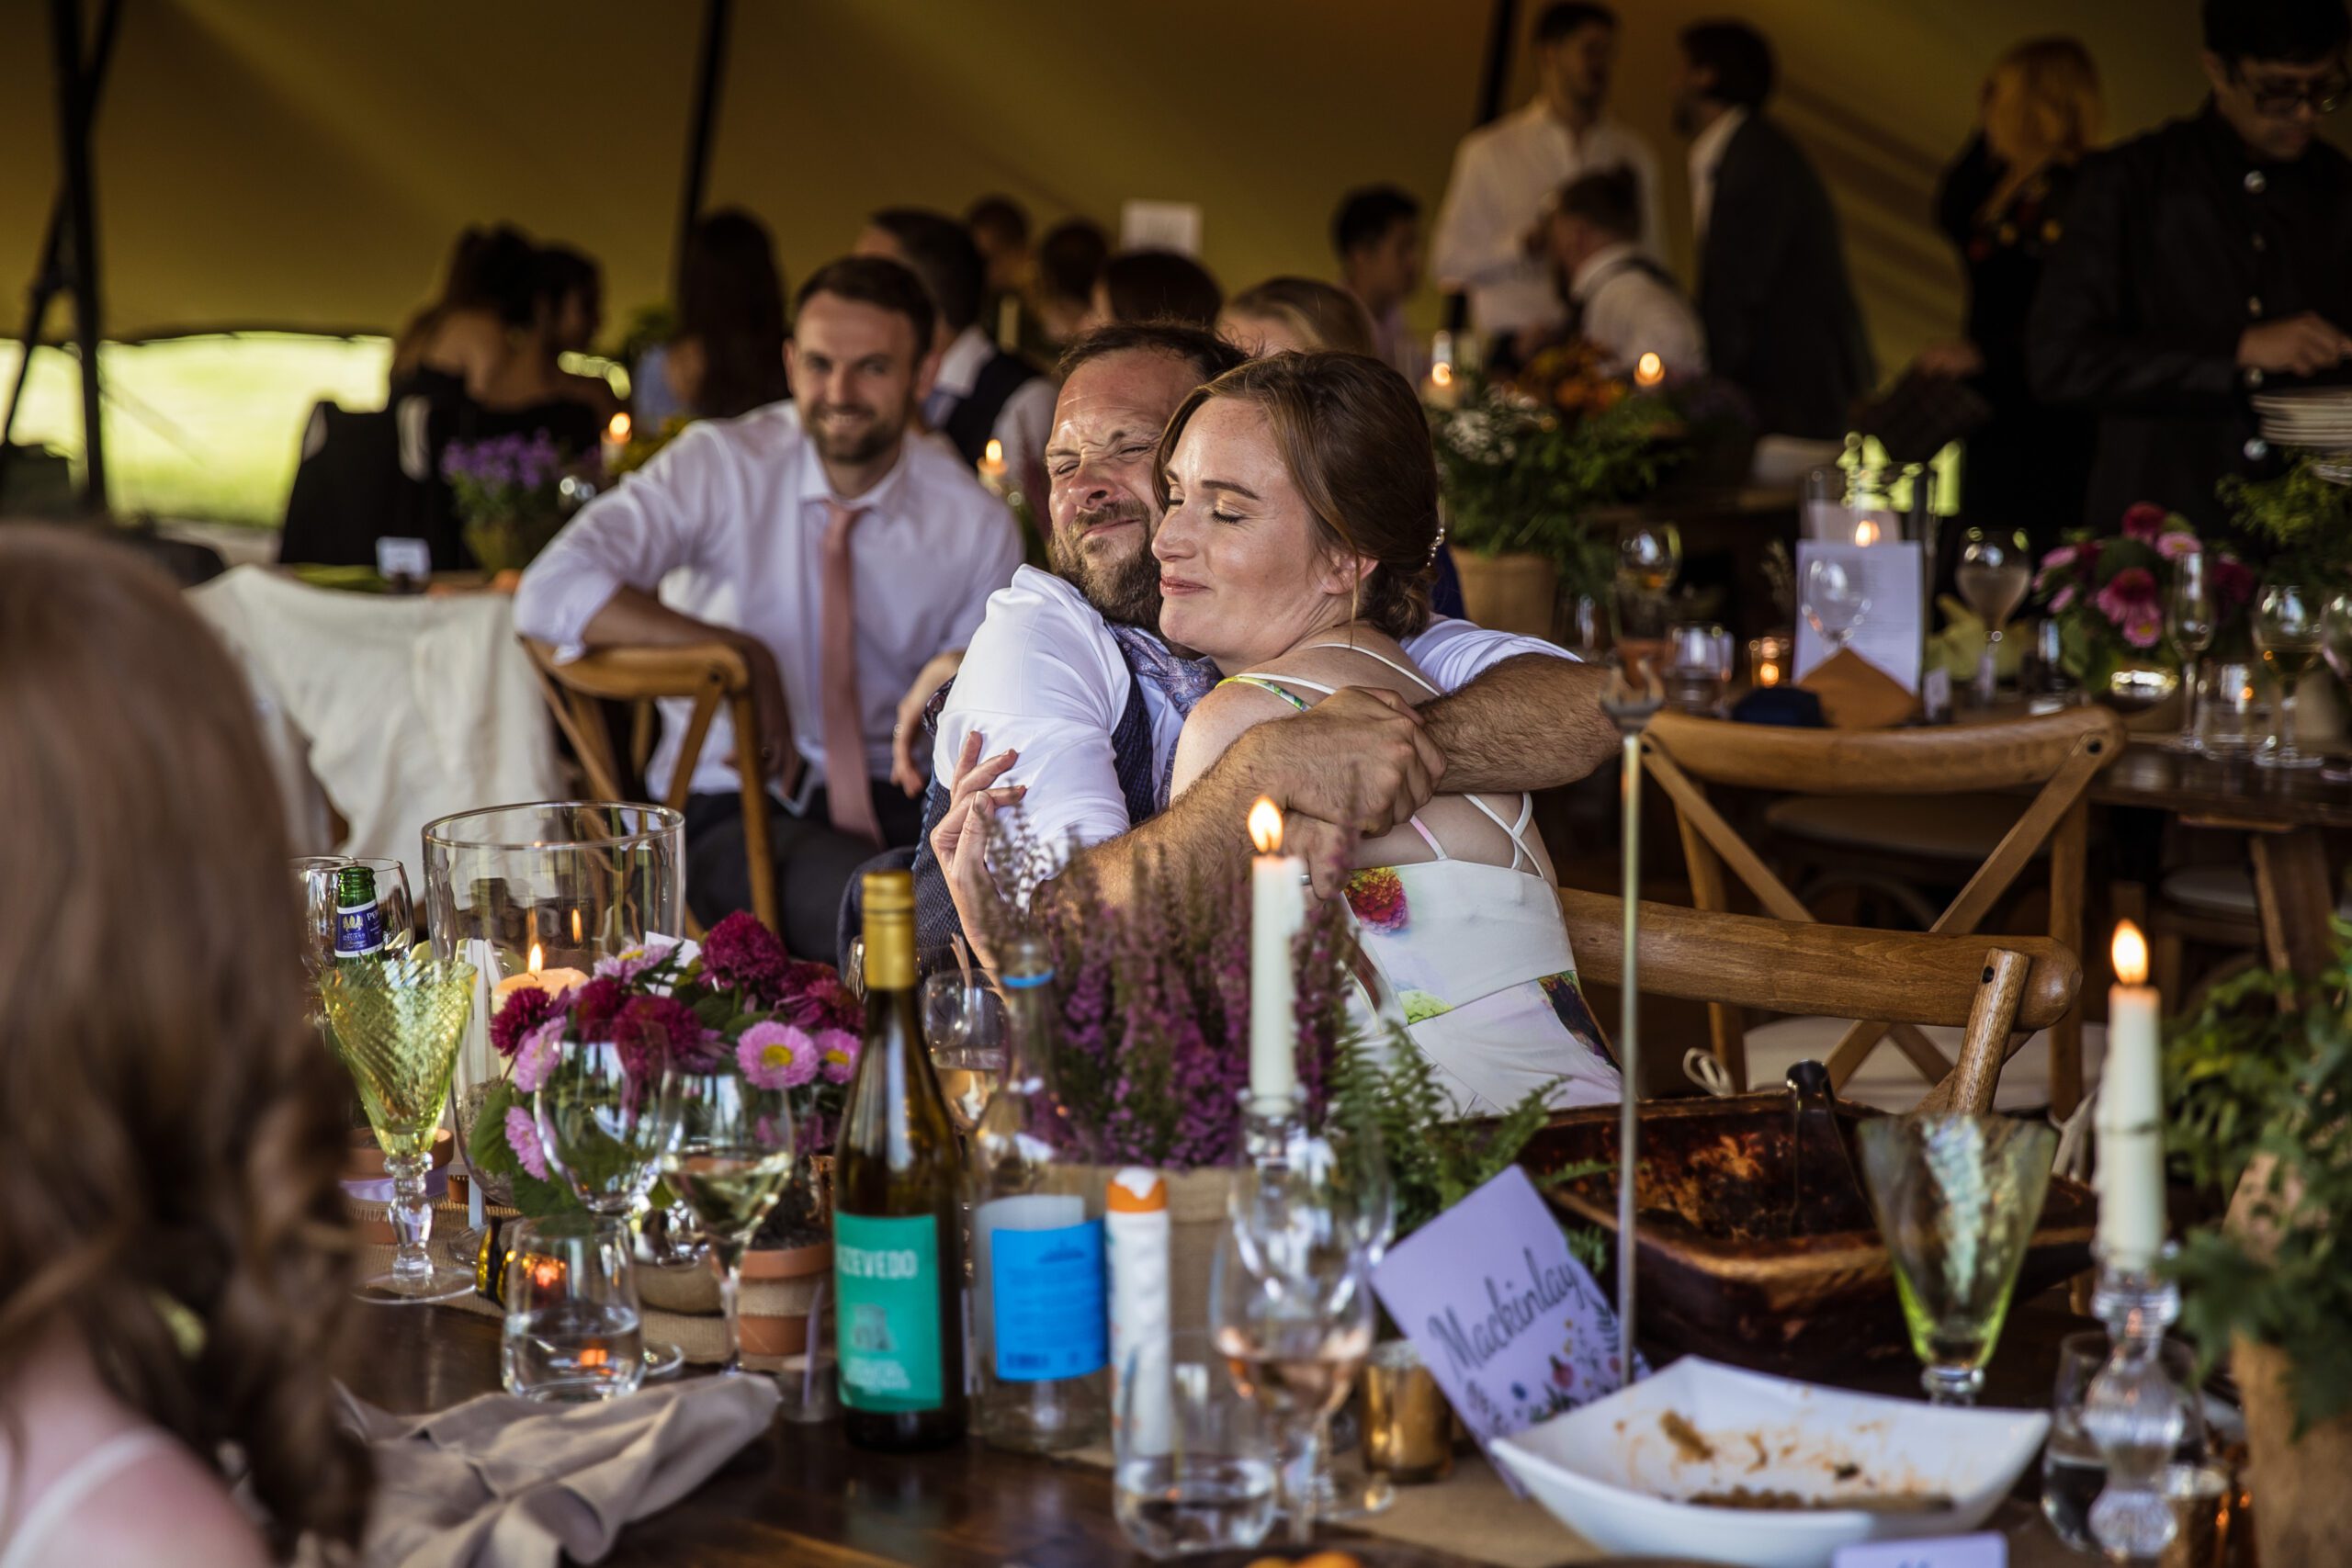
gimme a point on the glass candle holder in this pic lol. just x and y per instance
(1770, 660)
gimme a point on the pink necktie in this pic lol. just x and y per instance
(849, 797)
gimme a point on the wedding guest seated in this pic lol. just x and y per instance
(175, 1256)
(1376, 234)
(1155, 285)
(727, 356)
(1294, 315)
(560, 313)
(837, 553)
(1000, 226)
(1618, 298)
(1070, 259)
(1070, 687)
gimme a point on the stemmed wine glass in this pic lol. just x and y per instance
(2336, 647)
(1835, 601)
(1993, 576)
(963, 1025)
(1649, 558)
(2191, 611)
(2287, 634)
(729, 1161)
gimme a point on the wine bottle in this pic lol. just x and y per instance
(1039, 1319)
(897, 1232)
(358, 920)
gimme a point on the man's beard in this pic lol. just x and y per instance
(1126, 592)
(852, 447)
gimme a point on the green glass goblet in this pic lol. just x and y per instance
(1957, 1198)
(398, 1023)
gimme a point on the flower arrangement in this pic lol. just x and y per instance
(739, 1004)
(509, 494)
(2108, 595)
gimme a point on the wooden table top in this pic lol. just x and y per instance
(803, 1494)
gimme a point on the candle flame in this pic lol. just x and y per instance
(1440, 375)
(619, 428)
(576, 940)
(2131, 954)
(996, 450)
(1866, 532)
(535, 956)
(1649, 370)
(1266, 827)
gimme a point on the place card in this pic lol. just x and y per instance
(1511, 1325)
(1986, 1551)
(1892, 632)
(398, 558)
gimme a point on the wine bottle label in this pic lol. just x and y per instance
(1046, 1300)
(887, 1327)
(359, 929)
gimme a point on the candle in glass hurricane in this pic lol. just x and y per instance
(1277, 910)
(2130, 1136)
(1648, 371)
(537, 977)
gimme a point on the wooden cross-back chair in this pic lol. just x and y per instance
(708, 675)
(2056, 754)
(2000, 989)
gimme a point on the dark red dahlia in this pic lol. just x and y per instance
(592, 1006)
(741, 954)
(524, 1011)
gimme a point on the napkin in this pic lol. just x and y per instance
(1857, 694)
(507, 1481)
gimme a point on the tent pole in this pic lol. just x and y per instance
(709, 75)
(1494, 76)
(74, 88)
(47, 278)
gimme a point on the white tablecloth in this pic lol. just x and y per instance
(399, 710)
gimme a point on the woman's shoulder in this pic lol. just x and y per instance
(1358, 656)
(151, 1501)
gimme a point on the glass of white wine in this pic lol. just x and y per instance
(963, 1026)
(1993, 573)
(2286, 633)
(728, 1163)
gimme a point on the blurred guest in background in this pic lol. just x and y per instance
(1070, 259)
(2204, 261)
(461, 335)
(1294, 315)
(1779, 315)
(1618, 299)
(1000, 227)
(1489, 238)
(1155, 285)
(980, 394)
(2003, 206)
(175, 1254)
(727, 356)
(561, 314)
(1376, 234)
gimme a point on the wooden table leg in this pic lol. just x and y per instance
(2292, 887)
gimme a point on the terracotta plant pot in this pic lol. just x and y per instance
(364, 1166)
(778, 1289)
(1510, 592)
(2302, 1510)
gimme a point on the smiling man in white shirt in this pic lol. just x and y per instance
(838, 554)
(1069, 689)
(1489, 238)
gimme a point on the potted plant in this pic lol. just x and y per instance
(2259, 1082)
(2110, 596)
(509, 494)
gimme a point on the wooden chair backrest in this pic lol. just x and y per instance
(2059, 752)
(707, 675)
(1998, 989)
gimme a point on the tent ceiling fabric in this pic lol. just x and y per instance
(285, 164)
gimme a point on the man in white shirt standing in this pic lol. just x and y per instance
(1619, 300)
(1489, 239)
(1077, 702)
(836, 554)
(981, 393)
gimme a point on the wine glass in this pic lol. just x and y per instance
(1835, 601)
(1649, 558)
(729, 1162)
(315, 883)
(963, 1024)
(2191, 613)
(1993, 573)
(1291, 1306)
(397, 1025)
(1956, 1198)
(2287, 634)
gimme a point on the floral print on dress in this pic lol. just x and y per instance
(1377, 894)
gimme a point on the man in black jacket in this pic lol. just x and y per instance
(2203, 261)
(1780, 313)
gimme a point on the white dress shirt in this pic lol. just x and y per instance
(1629, 310)
(1504, 175)
(1024, 422)
(727, 523)
(1043, 676)
(1707, 151)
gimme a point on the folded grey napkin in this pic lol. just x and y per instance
(502, 1481)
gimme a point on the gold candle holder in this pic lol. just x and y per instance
(1407, 1425)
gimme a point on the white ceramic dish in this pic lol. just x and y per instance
(1611, 1473)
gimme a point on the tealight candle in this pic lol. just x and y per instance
(1648, 370)
(1767, 660)
(615, 443)
(555, 982)
(1866, 532)
(2129, 1117)
(1277, 911)
(992, 467)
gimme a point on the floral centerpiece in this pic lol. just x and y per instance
(509, 494)
(2109, 594)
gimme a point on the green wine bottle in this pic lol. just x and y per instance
(897, 1232)
(358, 920)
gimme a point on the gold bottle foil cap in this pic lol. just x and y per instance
(890, 892)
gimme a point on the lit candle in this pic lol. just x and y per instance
(2131, 1110)
(555, 982)
(1866, 532)
(992, 467)
(616, 441)
(1649, 370)
(1767, 660)
(1277, 910)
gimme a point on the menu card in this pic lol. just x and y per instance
(1511, 1325)
(1892, 632)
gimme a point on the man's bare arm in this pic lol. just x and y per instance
(634, 618)
(1529, 722)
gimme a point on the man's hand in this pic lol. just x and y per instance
(907, 770)
(777, 754)
(2298, 345)
(1359, 759)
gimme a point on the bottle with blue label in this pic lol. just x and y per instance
(358, 917)
(1040, 1317)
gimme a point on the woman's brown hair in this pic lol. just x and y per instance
(171, 1128)
(1357, 445)
(1322, 314)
